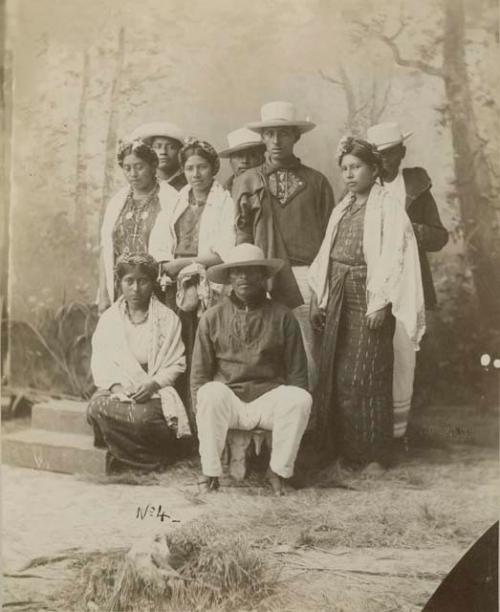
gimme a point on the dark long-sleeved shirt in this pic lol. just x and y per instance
(251, 349)
(301, 200)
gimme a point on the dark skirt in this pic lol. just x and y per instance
(136, 436)
(353, 400)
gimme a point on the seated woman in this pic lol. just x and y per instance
(137, 355)
(132, 213)
(201, 232)
(366, 275)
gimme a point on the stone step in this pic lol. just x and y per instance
(54, 452)
(61, 416)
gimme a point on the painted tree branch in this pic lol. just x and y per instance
(400, 30)
(330, 79)
(377, 31)
(409, 63)
(345, 83)
(379, 103)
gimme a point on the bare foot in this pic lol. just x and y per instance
(276, 482)
(211, 484)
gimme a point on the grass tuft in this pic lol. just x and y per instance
(209, 570)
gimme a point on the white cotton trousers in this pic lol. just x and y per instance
(284, 410)
(310, 339)
(402, 382)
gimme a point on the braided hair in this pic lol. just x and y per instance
(146, 263)
(139, 148)
(193, 146)
(364, 150)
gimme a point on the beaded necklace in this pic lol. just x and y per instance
(143, 320)
(141, 205)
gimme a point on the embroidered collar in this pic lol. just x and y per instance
(259, 300)
(284, 181)
(144, 199)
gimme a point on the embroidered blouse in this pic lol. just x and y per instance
(134, 224)
(347, 246)
(187, 229)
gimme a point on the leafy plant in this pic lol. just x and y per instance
(54, 354)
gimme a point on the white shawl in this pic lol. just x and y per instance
(167, 196)
(391, 254)
(113, 362)
(217, 225)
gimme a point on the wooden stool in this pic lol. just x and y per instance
(237, 449)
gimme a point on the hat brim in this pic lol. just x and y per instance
(302, 126)
(389, 145)
(220, 272)
(146, 132)
(242, 147)
(150, 136)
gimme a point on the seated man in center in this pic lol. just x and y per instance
(249, 368)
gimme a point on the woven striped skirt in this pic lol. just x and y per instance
(353, 400)
(136, 436)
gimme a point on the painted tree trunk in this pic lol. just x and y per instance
(81, 166)
(112, 136)
(480, 214)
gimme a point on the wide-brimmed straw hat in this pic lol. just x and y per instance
(157, 128)
(239, 140)
(280, 114)
(242, 256)
(386, 135)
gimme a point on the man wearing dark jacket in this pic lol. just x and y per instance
(283, 206)
(249, 367)
(412, 187)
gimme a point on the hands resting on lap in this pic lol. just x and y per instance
(140, 394)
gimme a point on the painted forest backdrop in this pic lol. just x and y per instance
(80, 74)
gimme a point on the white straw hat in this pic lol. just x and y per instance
(241, 139)
(386, 135)
(242, 256)
(157, 128)
(280, 114)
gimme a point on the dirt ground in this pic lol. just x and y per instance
(383, 544)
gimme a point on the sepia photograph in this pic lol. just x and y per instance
(250, 296)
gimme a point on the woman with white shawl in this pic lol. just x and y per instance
(366, 275)
(132, 214)
(137, 355)
(200, 232)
